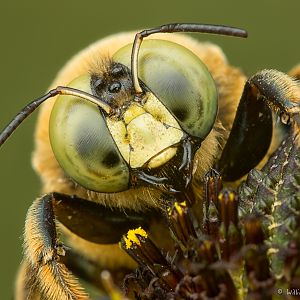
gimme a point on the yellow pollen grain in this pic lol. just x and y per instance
(231, 196)
(169, 211)
(179, 208)
(132, 237)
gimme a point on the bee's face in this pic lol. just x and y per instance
(132, 145)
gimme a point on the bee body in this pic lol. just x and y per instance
(108, 167)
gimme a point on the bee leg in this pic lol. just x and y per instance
(45, 259)
(25, 287)
(251, 133)
(42, 269)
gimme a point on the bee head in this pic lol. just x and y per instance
(148, 138)
(138, 119)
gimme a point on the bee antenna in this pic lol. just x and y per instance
(31, 107)
(176, 27)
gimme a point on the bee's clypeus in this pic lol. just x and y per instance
(135, 124)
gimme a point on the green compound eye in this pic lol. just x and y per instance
(83, 145)
(179, 80)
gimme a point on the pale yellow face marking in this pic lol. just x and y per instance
(149, 137)
(161, 158)
(145, 133)
(132, 112)
(119, 133)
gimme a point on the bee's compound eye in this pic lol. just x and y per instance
(179, 80)
(83, 145)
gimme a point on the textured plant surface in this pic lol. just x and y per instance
(247, 246)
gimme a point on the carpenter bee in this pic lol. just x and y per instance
(128, 125)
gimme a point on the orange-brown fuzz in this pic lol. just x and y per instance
(53, 278)
(295, 72)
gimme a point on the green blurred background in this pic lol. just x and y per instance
(38, 37)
